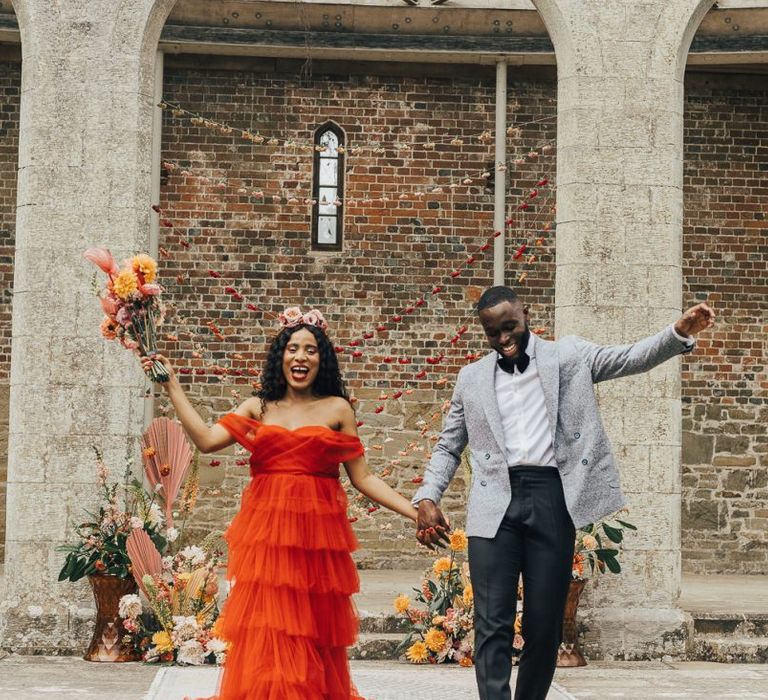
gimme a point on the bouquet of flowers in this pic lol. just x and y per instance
(178, 626)
(441, 630)
(131, 303)
(593, 547)
(101, 546)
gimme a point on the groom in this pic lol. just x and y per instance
(541, 466)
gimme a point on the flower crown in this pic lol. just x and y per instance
(293, 316)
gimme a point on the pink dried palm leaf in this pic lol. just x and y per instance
(145, 559)
(102, 258)
(167, 456)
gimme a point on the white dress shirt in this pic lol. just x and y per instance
(527, 432)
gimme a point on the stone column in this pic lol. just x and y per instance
(84, 179)
(619, 278)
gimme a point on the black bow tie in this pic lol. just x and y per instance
(521, 361)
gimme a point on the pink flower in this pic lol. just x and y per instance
(292, 316)
(102, 258)
(150, 290)
(109, 305)
(123, 316)
(314, 318)
(130, 626)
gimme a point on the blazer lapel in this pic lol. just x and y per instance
(488, 398)
(548, 365)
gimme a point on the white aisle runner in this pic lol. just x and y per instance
(375, 680)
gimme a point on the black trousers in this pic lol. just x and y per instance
(536, 538)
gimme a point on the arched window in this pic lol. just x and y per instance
(328, 188)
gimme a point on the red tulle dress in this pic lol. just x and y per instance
(289, 616)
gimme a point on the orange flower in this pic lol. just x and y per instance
(402, 603)
(435, 639)
(589, 542)
(149, 451)
(458, 541)
(417, 653)
(442, 565)
(162, 641)
(125, 284)
(468, 596)
(109, 328)
(466, 661)
(218, 628)
(578, 565)
(145, 265)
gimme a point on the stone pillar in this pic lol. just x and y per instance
(619, 278)
(84, 179)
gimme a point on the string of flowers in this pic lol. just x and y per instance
(196, 119)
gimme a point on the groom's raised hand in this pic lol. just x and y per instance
(432, 527)
(695, 320)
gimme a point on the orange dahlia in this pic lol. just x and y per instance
(402, 603)
(468, 596)
(162, 641)
(458, 541)
(145, 265)
(109, 328)
(125, 284)
(435, 639)
(417, 653)
(442, 565)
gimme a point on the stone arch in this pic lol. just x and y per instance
(86, 91)
(723, 229)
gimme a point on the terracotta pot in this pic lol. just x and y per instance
(106, 644)
(569, 654)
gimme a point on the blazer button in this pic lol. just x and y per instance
(577, 435)
(585, 461)
(482, 483)
(487, 456)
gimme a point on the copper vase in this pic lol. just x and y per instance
(569, 654)
(106, 643)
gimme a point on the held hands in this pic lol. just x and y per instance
(695, 320)
(432, 527)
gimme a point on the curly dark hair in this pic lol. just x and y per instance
(328, 381)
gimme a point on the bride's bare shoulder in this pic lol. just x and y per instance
(251, 408)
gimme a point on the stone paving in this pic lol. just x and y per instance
(374, 680)
(65, 678)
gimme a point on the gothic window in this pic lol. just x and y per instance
(328, 188)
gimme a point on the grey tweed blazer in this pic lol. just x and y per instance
(568, 368)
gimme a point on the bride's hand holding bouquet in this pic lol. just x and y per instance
(131, 303)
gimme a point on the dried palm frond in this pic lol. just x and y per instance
(145, 559)
(167, 455)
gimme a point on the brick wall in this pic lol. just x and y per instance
(10, 83)
(725, 253)
(393, 252)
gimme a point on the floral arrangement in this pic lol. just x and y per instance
(593, 547)
(441, 629)
(132, 535)
(102, 539)
(131, 303)
(179, 624)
